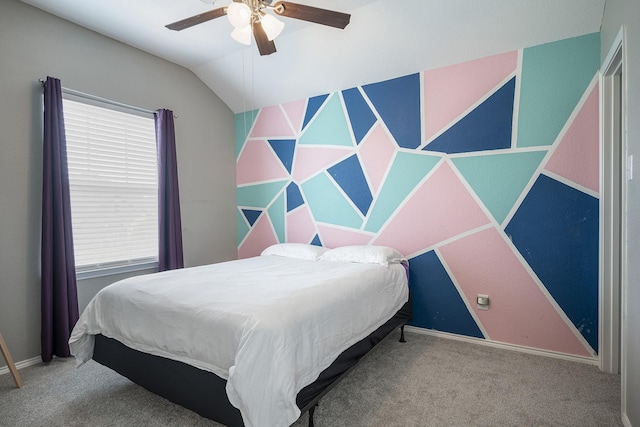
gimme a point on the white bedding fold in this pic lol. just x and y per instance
(269, 324)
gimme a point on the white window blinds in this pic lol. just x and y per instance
(113, 184)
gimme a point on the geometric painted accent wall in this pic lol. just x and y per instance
(484, 174)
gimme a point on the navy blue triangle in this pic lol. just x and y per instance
(313, 105)
(360, 115)
(349, 176)
(284, 149)
(486, 127)
(294, 197)
(435, 300)
(316, 241)
(251, 215)
(398, 103)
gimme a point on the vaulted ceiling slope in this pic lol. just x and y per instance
(385, 39)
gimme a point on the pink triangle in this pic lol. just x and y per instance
(271, 123)
(376, 152)
(450, 91)
(308, 161)
(258, 162)
(333, 237)
(440, 209)
(519, 313)
(259, 238)
(300, 226)
(295, 112)
(577, 157)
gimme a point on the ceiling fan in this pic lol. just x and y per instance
(249, 17)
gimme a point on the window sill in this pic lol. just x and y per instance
(110, 271)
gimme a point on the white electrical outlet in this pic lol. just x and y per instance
(483, 302)
(629, 167)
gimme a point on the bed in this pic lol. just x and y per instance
(253, 342)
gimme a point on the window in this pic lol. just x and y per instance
(114, 187)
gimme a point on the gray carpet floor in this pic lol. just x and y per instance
(427, 381)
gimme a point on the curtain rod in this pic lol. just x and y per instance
(104, 100)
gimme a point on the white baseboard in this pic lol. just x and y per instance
(512, 347)
(22, 364)
(625, 420)
(408, 328)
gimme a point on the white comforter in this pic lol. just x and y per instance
(269, 324)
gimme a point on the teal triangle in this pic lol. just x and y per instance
(407, 170)
(243, 125)
(554, 78)
(260, 195)
(242, 227)
(499, 179)
(330, 126)
(276, 214)
(328, 204)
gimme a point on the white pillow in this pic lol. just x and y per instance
(295, 250)
(369, 254)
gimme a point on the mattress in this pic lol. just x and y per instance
(268, 325)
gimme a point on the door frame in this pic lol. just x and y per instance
(615, 171)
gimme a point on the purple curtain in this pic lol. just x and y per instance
(59, 297)
(169, 224)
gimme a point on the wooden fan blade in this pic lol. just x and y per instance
(197, 19)
(265, 46)
(312, 14)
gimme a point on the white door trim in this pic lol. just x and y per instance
(613, 212)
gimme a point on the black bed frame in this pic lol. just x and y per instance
(204, 392)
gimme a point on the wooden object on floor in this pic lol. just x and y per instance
(9, 360)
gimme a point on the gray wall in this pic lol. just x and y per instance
(34, 44)
(616, 14)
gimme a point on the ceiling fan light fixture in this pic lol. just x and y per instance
(251, 22)
(239, 14)
(242, 34)
(272, 26)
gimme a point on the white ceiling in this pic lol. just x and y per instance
(385, 39)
